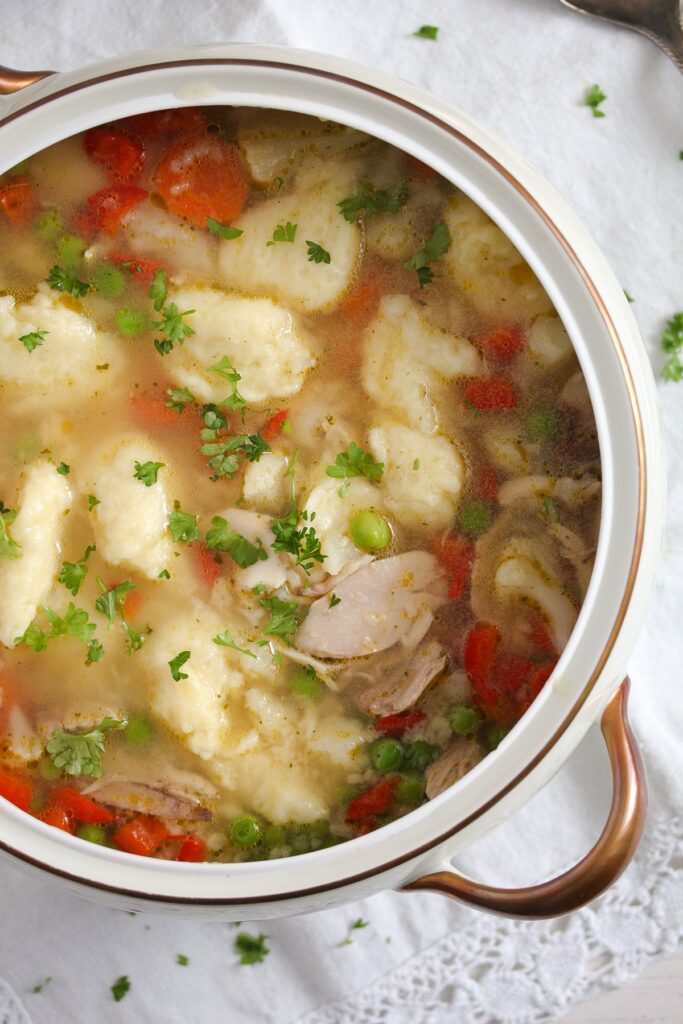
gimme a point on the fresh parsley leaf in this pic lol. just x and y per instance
(92, 502)
(62, 280)
(284, 618)
(370, 201)
(222, 230)
(120, 987)
(181, 959)
(73, 574)
(355, 462)
(41, 985)
(33, 339)
(225, 457)
(158, 292)
(179, 398)
(147, 472)
(334, 600)
(316, 253)
(301, 542)
(183, 526)
(135, 639)
(283, 233)
(164, 575)
(226, 640)
(354, 926)
(629, 297)
(81, 753)
(672, 343)
(112, 599)
(75, 623)
(175, 665)
(221, 538)
(437, 244)
(427, 32)
(252, 949)
(594, 97)
(63, 469)
(225, 369)
(9, 549)
(172, 327)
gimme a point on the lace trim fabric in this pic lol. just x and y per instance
(494, 971)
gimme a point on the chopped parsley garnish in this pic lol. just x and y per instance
(222, 230)
(225, 454)
(164, 575)
(227, 371)
(81, 753)
(370, 201)
(316, 253)
(252, 949)
(284, 618)
(301, 542)
(183, 526)
(73, 574)
(226, 640)
(427, 32)
(334, 600)
(594, 97)
(179, 398)
(33, 339)
(355, 462)
(436, 245)
(672, 343)
(283, 233)
(147, 472)
(172, 327)
(63, 469)
(175, 665)
(9, 549)
(92, 502)
(112, 600)
(75, 622)
(354, 926)
(629, 297)
(41, 985)
(158, 292)
(63, 280)
(120, 987)
(181, 959)
(221, 538)
(416, 463)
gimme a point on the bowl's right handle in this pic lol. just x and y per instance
(12, 81)
(599, 868)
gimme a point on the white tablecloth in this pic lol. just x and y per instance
(522, 68)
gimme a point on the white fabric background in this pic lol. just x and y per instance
(522, 69)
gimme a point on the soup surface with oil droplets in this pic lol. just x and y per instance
(300, 485)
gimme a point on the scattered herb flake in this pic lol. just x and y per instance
(355, 462)
(284, 618)
(316, 253)
(120, 987)
(147, 472)
(179, 398)
(354, 926)
(416, 463)
(172, 327)
(75, 622)
(92, 502)
(33, 339)
(62, 280)
(334, 600)
(112, 599)
(672, 343)
(283, 233)
(73, 574)
(181, 959)
(301, 542)
(63, 469)
(629, 297)
(438, 243)
(225, 369)
(164, 575)
(81, 753)
(226, 640)
(175, 665)
(183, 526)
(158, 292)
(594, 97)
(41, 985)
(222, 538)
(9, 549)
(427, 32)
(252, 949)
(370, 201)
(222, 230)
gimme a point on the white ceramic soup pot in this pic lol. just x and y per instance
(416, 851)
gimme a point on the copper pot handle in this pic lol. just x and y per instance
(12, 81)
(600, 867)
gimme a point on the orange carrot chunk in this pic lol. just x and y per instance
(19, 202)
(201, 176)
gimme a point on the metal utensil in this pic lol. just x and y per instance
(659, 20)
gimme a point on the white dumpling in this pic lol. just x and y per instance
(407, 358)
(62, 369)
(262, 340)
(548, 342)
(522, 574)
(131, 520)
(283, 270)
(487, 268)
(264, 482)
(333, 513)
(423, 476)
(154, 233)
(26, 581)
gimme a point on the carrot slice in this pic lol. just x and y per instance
(361, 303)
(58, 817)
(81, 807)
(491, 393)
(151, 411)
(193, 850)
(159, 123)
(143, 836)
(19, 202)
(15, 788)
(456, 555)
(481, 647)
(121, 157)
(201, 176)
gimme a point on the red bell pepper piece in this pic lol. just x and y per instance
(16, 788)
(121, 157)
(397, 725)
(107, 208)
(540, 634)
(502, 343)
(510, 673)
(373, 801)
(486, 484)
(58, 817)
(481, 647)
(143, 835)
(274, 425)
(142, 271)
(193, 850)
(456, 555)
(79, 806)
(19, 201)
(491, 393)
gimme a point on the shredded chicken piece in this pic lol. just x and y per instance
(576, 551)
(145, 798)
(396, 691)
(318, 589)
(563, 488)
(83, 719)
(457, 760)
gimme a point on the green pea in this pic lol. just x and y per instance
(246, 831)
(411, 788)
(274, 836)
(542, 424)
(49, 771)
(108, 281)
(139, 730)
(49, 225)
(475, 518)
(307, 684)
(370, 531)
(386, 755)
(131, 321)
(420, 754)
(69, 250)
(495, 735)
(465, 720)
(92, 834)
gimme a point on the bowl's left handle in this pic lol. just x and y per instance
(12, 81)
(599, 868)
